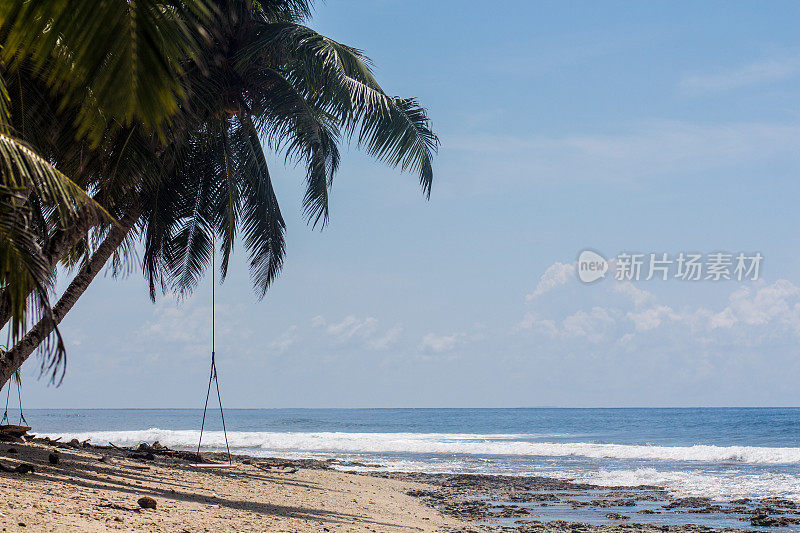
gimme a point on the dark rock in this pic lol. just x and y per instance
(12, 450)
(424, 494)
(617, 516)
(778, 502)
(707, 509)
(692, 501)
(508, 511)
(146, 502)
(763, 519)
(147, 456)
(626, 502)
(468, 509)
(532, 497)
(53, 458)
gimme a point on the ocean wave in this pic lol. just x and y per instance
(436, 443)
(719, 485)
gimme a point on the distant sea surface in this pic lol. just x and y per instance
(720, 453)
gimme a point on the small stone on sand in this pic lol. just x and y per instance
(146, 502)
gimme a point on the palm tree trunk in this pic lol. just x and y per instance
(25, 347)
(54, 251)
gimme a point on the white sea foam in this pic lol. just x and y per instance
(438, 443)
(717, 485)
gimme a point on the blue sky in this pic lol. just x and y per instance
(651, 127)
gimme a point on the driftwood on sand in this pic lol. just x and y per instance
(283, 468)
(143, 451)
(148, 452)
(22, 468)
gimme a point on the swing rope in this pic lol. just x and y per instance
(5, 413)
(213, 377)
(19, 398)
(8, 394)
(16, 379)
(5, 418)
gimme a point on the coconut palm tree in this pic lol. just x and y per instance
(254, 76)
(63, 64)
(34, 196)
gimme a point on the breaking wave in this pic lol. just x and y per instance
(260, 443)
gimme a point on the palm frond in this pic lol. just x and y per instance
(121, 59)
(263, 226)
(290, 124)
(23, 169)
(338, 80)
(283, 10)
(25, 276)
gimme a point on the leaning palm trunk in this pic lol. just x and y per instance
(252, 77)
(13, 358)
(53, 252)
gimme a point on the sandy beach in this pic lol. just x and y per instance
(79, 487)
(85, 492)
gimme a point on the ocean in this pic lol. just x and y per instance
(721, 453)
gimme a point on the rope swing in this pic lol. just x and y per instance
(16, 378)
(214, 376)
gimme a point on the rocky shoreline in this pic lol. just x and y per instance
(516, 502)
(524, 504)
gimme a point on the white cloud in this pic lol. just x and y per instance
(388, 338)
(556, 275)
(284, 341)
(440, 343)
(760, 72)
(647, 150)
(758, 319)
(365, 331)
(527, 321)
(173, 322)
(775, 303)
(181, 327)
(652, 318)
(353, 326)
(594, 326)
(638, 296)
(533, 322)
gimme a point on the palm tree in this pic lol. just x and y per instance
(33, 197)
(62, 64)
(253, 76)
